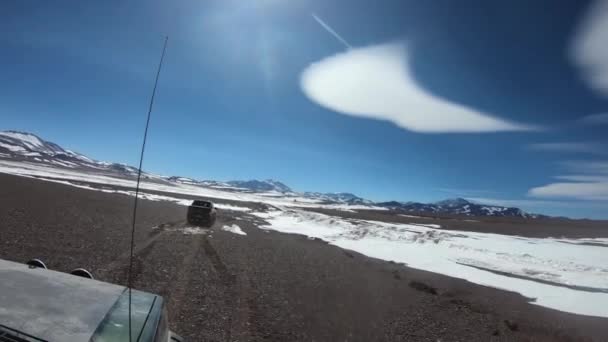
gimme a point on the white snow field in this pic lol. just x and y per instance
(562, 274)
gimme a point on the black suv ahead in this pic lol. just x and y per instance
(202, 213)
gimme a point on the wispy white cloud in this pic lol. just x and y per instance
(570, 147)
(583, 178)
(589, 49)
(593, 167)
(376, 82)
(590, 182)
(595, 119)
(592, 191)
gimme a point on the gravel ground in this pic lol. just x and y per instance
(265, 286)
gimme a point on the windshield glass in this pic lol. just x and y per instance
(311, 170)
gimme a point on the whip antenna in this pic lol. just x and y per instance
(141, 160)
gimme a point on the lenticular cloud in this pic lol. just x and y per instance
(375, 82)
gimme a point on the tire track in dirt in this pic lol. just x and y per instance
(241, 324)
(224, 274)
(238, 295)
(121, 263)
(177, 294)
(227, 279)
(120, 268)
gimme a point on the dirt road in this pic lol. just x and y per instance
(265, 286)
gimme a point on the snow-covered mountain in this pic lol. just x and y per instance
(339, 197)
(270, 185)
(27, 147)
(192, 181)
(458, 206)
(22, 145)
(261, 186)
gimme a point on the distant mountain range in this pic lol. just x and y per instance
(261, 186)
(27, 147)
(458, 206)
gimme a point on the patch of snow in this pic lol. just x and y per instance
(231, 207)
(413, 216)
(430, 225)
(28, 139)
(193, 230)
(142, 195)
(579, 272)
(155, 197)
(349, 207)
(13, 148)
(493, 210)
(80, 156)
(234, 229)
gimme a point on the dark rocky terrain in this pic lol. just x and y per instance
(265, 286)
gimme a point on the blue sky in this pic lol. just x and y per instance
(498, 101)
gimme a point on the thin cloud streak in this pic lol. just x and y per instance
(589, 191)
(331, 31)
(570, 147)
(583, 178)
(589, 184)
(586, 167)
(595, 119)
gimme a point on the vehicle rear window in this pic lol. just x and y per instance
(202, 204)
